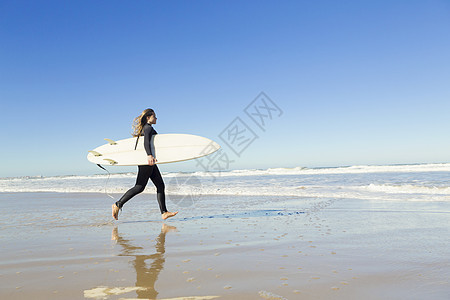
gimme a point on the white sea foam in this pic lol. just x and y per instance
(405, 189)
(337, 170)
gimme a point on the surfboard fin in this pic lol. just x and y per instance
(111, 142)
(95, 153)
(111, 161)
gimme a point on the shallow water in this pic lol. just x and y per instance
(66, 246)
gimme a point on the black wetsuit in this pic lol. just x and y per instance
(146, 172)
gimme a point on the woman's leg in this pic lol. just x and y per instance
(160, 194)
(144, 173)
(159, 184)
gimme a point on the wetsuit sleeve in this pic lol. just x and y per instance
(148, 132)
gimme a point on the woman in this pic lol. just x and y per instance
(143, 126)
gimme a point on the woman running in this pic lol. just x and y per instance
(143, 126)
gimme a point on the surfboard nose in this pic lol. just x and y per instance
(215, 145)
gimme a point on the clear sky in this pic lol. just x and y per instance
(358, 82)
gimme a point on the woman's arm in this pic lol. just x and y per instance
(148, 133)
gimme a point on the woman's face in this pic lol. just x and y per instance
(152, 119)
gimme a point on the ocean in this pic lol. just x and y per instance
(421, 182)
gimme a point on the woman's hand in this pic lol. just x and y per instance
(151, 160)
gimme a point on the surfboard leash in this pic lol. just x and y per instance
(107, 180)
(137, 140)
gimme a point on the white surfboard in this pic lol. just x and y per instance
(166, 148)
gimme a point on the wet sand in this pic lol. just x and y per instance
(66, 246)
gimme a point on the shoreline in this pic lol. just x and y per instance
(70, 248)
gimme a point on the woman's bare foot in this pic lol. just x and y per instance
(115, 212)
(168, 214)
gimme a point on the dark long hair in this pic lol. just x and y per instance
(140, 121)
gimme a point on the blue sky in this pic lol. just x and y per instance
(359, 82)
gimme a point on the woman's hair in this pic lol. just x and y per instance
(140, 121)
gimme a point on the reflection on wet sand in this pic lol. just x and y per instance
(146, 275)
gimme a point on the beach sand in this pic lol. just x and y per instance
(67, 246)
